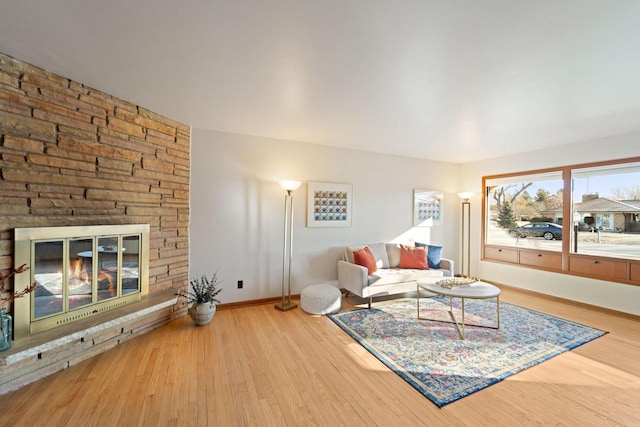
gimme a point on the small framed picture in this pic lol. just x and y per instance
(329, 204)
(427, 208)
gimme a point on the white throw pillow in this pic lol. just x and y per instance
(379, 251)
(393, 252)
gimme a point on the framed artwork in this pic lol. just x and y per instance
(329, 204)
(427, 208)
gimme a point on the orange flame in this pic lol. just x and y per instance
(79, 276)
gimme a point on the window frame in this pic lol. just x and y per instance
(603, 267)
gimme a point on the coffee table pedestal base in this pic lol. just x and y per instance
(478, 290)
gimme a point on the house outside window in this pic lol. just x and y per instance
(608, 199)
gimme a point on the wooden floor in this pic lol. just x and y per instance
(258, 366)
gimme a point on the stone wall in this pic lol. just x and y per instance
(73, 155)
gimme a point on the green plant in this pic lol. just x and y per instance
(203, 290)
(506, 217)
(540, 219)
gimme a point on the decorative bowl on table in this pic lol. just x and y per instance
(452, 282)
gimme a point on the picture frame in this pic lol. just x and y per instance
(427, 208)
(329, 204)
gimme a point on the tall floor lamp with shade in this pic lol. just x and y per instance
(287, 253)
(465, 233)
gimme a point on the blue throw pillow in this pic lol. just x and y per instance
(433, 254)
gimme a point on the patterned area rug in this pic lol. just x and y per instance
(431, 357)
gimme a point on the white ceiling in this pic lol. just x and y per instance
(450, 80)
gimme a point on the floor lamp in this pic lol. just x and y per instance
(287, 252)
(465, 233)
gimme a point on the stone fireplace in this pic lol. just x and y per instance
(80, 272)
(74, 156)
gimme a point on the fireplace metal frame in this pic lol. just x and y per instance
(24, 323)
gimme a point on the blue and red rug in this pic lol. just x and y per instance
(431, 357)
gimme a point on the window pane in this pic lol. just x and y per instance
(606, 206)
(525, 212)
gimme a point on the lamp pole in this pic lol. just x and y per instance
(465, 233)
(287, 250)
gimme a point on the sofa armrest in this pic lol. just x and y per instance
(447, 264)
(352, 277)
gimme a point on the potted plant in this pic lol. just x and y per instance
(201, 298)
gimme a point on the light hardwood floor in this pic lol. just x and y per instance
(262, 367)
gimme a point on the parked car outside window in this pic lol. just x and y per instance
(547, 230)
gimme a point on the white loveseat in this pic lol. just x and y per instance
(388, 279)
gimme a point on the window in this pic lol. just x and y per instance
(580, 219)
(605, 205)
(525, 211)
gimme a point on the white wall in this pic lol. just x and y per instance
(237, 208)
(597, 292)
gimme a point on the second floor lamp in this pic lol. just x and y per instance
(465, 245)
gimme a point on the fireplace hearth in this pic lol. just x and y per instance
(80, 271)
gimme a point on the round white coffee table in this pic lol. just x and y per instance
(475, 290)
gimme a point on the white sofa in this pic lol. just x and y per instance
(388, 279)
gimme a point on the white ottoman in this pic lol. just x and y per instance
(321, 299)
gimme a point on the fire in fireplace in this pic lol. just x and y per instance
(80, 271)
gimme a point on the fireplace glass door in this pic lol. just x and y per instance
(48, 297)
(80, 274)
(130, 264)
(76, 273)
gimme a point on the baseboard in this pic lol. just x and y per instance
(567, 301)
(253, 302)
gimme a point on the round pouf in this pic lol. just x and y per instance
(321, 299)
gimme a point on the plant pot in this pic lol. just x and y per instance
(202, 313)
(6, 325)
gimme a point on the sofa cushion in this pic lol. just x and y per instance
(365, 258)
(433, 254)
(393, 252)
(379, 251)
(411, 257)
(389, 276)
